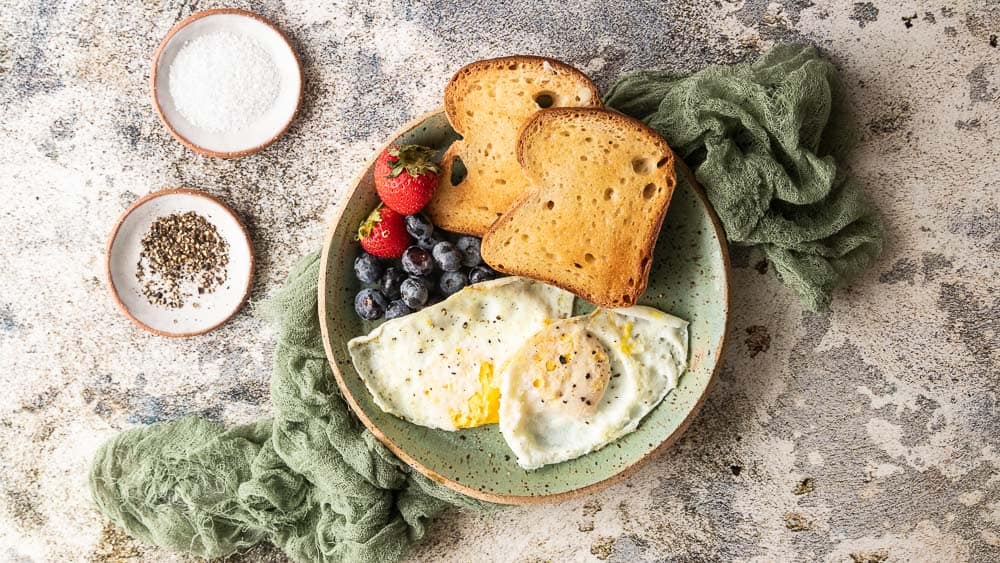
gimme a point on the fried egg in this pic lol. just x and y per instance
(584, 382)
(439, 367)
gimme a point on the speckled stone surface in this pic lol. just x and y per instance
(866, 434)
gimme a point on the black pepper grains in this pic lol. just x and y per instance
(182, 254)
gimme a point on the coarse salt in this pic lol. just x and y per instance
(222, 82)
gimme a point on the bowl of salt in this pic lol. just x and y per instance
(226, 82)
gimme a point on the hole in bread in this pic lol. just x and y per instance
(608, 193)
(588, 258)
(663, 161)
(626, 300)
(564, 133)
(670, 182)
(458, 171)
(642, 165)
(545, 99)
(501, 181)
(550, 204)
(645, 260)
(512, 66)
(588, 139)
(578, 265)
(524, 237)
(649, 191)
(583, 158)
(529, 80)
(469, 113)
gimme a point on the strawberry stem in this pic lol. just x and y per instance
(415, 159)
(374, 218)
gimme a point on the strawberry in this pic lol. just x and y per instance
(383, 233)
(405, 177)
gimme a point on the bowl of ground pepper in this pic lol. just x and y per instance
(179, 262)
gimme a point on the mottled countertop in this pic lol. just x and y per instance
(868, 433)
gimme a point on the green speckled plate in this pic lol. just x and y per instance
(689, 279)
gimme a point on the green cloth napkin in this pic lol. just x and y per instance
(764, 140)
(312, 480)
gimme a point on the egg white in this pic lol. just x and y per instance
(439, 367)
(550, 408)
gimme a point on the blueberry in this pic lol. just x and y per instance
(389, 284)
(419, 226)
(369, 304)
(481, 273)
(397, 309)
(417, 261)
(431, 280)
(428, 243)
(367, 268)
(451, 282)
(414, 292)
(470, 250)
(448, 257)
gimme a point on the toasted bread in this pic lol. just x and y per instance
(488, 102)
(601, 184)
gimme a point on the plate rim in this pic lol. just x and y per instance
(154, 72)
(114, 234)
(628, 470)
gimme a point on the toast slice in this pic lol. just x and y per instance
(601, 186)
(488, 102)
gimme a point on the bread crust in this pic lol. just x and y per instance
(450, 109)
(474, 214)
(621, 294)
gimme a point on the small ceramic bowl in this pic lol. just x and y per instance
(690, 279)
(261, 132)
(200, 313)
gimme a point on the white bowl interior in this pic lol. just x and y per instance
(264, 128)
(200, 312)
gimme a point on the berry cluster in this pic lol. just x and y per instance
(406, 264)
(438, 265)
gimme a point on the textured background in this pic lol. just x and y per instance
(889, 403)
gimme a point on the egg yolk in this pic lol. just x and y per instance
(569, 371)
(483, 406)
(626, 343)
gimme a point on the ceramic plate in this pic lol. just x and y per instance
(264, 130)
(200, 313)
(689, 279)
